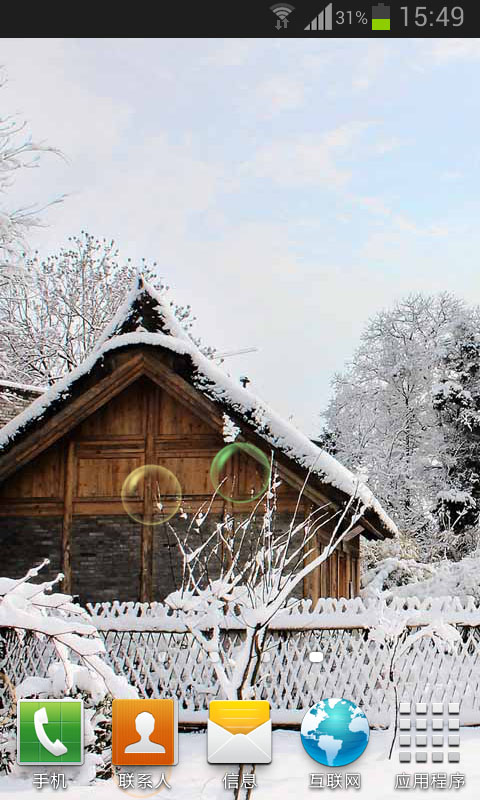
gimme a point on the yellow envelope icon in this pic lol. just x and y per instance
(239, 732)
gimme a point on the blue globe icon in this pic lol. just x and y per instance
(335, 732)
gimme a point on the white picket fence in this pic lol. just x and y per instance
(152, 647)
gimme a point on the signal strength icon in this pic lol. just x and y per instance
(282, 11)
(323, 21)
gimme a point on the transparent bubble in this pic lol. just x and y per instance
(234, 476)
(165, 489)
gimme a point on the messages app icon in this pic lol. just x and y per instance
(50, 732)
(239, 732)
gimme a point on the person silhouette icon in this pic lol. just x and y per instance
(144, 725)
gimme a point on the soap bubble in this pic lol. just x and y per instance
(166, 494)
(230, 480)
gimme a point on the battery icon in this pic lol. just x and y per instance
(381, 17)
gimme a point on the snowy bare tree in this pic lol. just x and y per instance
(244, 575)
(34, 609)
(77, 663)
(396, 633)
(50, 322)
(18, 151)
(383, 419)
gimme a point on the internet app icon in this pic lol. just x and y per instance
(335, 732)
(49, 732)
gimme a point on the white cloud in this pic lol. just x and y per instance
(297, 163)
(317, 62)
(280, 93)
(307, 160)
(152, 196)
(371, 66)
(388, 144)
(64, 107)
(232, 52)
(451, 175)
(444, 50)
(405, 224)
(377, 205)
(345, 135)
(401, 243)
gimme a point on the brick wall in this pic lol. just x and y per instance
(167, 564)
(167, 571)
(105, 553)
(25, 542)
(105, 558)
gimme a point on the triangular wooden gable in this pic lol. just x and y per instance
(132, 365)
(137, 344)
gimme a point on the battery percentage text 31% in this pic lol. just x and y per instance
(351, 17)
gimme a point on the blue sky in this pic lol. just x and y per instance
(288, 189)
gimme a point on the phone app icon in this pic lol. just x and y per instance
(239, 732)
(50, 732)
(145, 732)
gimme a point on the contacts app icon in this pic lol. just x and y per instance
(144, 732)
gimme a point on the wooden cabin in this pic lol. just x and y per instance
(147, 396)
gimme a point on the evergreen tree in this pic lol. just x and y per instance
(456, 399)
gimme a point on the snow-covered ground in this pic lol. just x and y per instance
(288, 776)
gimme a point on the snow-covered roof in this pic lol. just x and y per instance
(147, 318)
(15, 397)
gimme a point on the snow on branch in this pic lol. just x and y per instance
(247, 572)
(33, 609)
(18, 152)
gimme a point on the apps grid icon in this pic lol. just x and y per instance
(422, 733)
(50, 732)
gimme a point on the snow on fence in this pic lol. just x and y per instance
(152, 647)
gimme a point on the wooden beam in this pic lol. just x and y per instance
(121, 440)
(67, 518)
(342, 576)
(353, 533)
(31, 507)
(311, 582)
(74, 412)
(146, 556)
(310, 492)
(184, 393)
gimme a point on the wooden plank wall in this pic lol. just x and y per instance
(113, 442)
(83, 475)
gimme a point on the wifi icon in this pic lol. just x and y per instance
(282, 11)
